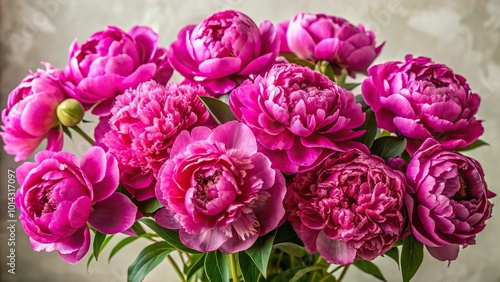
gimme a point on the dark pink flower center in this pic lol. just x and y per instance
(45, 203)
(206, 188)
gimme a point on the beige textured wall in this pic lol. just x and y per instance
(464, 34)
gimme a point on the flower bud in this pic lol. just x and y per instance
(70, 112)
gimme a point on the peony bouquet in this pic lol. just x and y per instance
(261, 165)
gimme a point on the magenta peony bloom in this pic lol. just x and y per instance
(218, 190)
(299, 116)
(59, 195)
(348, 208)
(318, 37)
(144, 124)
(223, 50)
(419, 99)
(110, 62)
(30, 115)
(281, 30)
(447, 202)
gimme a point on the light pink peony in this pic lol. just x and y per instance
(223, 50)
(348, 208)
(110, 62)
(447, 202)
(420, 99)
(59, 195)
(318, 37)
(299, 116)
(218, 190)
(30, 115)
(144, 123)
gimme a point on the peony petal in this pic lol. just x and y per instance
(445, 253)
(166, 218)
(206, 241)
(220, 67)
(81, 238)
(114, 214)
(235, 135)
(335, 251)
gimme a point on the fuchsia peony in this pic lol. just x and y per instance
(299, 116)
(144, 124)
(30, 115)
(348, 208)
(420, 99)
(223, 50)
(318, 37)
(59, 195)
(447, 202)
(110, 62)
(218, 190)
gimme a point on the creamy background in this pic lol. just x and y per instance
(463, 34)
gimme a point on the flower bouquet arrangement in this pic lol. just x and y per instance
(261, 165)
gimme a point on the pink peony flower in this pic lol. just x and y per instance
(299, 116)
(144, 124)
(281, 30)
(447, 202)
(318, 37)
(349, 208)
(223, 50)
(420, 99)
(59, 195)
(30, 115)
(110, 62)
(218, 190)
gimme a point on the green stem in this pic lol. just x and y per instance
(234, 271)
(344, 272)
(182, 258)
(335, 269)
(83, 134)
(176, 268)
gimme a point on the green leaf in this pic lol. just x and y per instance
(476, 144)
(394, 254)
(216, 267)
(290, 57)
(170, 236)
(326, 69)
(86, 121)
(194, 264)
(147, 260)
(289, 274)
(286, 234)
(291, 249)
(260, 251)
(388, 147)
(351, 86)
(370, 268)
(370, 125)
(138, 228)
(361, 100)
(248, 268)
(299, 274)
(98, 243)
(219, 110)
(67, 131)
(412, 256)
(152, 205)
(124, 242)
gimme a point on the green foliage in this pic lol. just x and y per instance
(147, 260)
(260, 252)
(476, 144)
(370, 268)
(370, 125)
(215, 267)
(412, 256)
(219, 110)
(388, 147)
(170, 236)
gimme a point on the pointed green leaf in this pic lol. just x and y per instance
(412, 256)
(476, 144)
(67, 131)
(152, 205)
(394, 254)
(326, 69)
(124, 242)
(170, 236)
(216, 267)
(248, 268)
(194, 264)
(292, 58)
(219, 110)
(388, 147)
(291, 249)
(138, 229)
(300, 273)
(351, 86)
(98, 243)
(370, 268)
(370, 127)
(260, 251)
(147, 260)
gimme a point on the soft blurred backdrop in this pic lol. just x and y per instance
(463, 34)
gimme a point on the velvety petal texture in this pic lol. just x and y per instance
(110, 62)
(59, 195)
(223, 50)
(30, 115)
(218, 190)
(348, 208)
(299, 116)
(447, 202)
(144, 124)
(421, 99)
(317, 37)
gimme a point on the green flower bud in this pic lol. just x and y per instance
(70, 112)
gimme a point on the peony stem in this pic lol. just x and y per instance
(344, 272)
(182, 258)
(176, 268)
(234, 271)
(83, 134)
